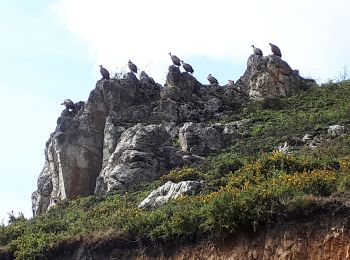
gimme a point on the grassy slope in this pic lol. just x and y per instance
(244, 187)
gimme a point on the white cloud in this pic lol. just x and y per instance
(313, 35)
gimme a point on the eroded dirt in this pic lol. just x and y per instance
(319, 232)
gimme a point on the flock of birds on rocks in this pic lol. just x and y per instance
(69, 104)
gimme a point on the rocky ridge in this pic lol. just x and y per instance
(130, 131)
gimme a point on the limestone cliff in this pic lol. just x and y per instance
(131, 130)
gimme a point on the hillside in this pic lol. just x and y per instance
(273, 172)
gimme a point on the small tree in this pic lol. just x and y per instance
(13, 219)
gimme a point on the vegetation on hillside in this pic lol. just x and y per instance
(246, 186)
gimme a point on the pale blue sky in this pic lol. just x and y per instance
(40, 65)
(50, 51)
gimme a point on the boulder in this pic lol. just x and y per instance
(169, 191)
(112, 132)
(336, 130)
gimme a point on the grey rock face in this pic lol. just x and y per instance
(142, 154)
(112, 134)
(82, 141)
(270, 76)
(145, 152)
(203, 139)
(72, 160)
(131, 130)
(169, 191)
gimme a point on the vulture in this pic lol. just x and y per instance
(68, 104)
(212, 80)
(275, 50)
(187, 67)
(104, 73)
(257, 51)
(175, 59)
(132, 67)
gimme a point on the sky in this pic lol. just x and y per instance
(51, 49)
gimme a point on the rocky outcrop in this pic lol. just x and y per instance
(130, 131)
(169, 191)
(180, 86)
(270, 76)
(145, 152)
(336, 130)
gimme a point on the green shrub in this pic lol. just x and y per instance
(182, 174)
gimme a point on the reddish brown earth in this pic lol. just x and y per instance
(322, 231)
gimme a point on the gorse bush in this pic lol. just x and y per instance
(244, 187)
(182, 174)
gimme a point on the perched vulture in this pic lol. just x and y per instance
(175, 59)
(187, 67)
(275, 50)
(132, 67)
(257, 51)
(104, 73)
(230, 83)
(212, 80)
(68, 104)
